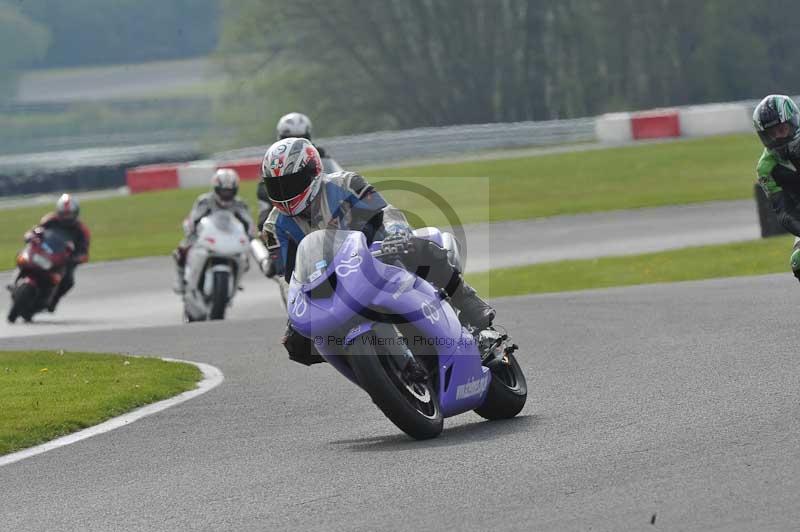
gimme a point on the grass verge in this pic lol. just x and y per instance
(706, 262)
(645, 175)
(48, 394)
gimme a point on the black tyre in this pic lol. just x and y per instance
(413, 407)
(13, 314)
(23, 299)
(219, 296)
(507, 391)
(187, 318)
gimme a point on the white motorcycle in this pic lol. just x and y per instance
(214, 266)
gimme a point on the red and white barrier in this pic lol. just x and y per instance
(657, 124)
(716, 119)
(152, 177)
(614, 128)
(196, 174)
(186, 175)
(692, 121)
(248, 169)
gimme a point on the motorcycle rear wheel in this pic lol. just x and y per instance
(507, 393)
(412, 407)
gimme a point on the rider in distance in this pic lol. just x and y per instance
(225, 186)
(777, 122)
(65, 221)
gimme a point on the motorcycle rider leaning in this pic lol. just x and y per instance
(65, 221)
(305, 200)
(290, 125)
(777, 122)
(225, 186)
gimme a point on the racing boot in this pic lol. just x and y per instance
(67, 282)
(472, 310)
(10, 286)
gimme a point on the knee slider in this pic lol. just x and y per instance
(301, 349)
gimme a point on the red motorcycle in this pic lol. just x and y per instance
(42, 263)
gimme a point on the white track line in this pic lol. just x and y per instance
(212, 377)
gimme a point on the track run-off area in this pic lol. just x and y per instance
(669, 406)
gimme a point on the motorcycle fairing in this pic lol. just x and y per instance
(353, 291)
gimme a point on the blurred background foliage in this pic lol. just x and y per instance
(365, 65)
(97, 32)
(22, 43)
(361, 65)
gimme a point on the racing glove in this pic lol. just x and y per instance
(33, 233)
(397, 245)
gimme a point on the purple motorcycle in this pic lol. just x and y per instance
(368, 318)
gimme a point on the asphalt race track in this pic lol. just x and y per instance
(677, 403)
(626, 232)
(137, 293)
(133, 293)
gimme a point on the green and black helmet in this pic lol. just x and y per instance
(777, 122)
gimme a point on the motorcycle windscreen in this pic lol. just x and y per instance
(316, 252)
(224, 221)
(54, 241)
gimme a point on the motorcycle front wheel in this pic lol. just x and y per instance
(219, 296)
(23, 299)
(412, 406)
(507, 393)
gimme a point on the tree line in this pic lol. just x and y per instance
(360, 65)
(64, 33)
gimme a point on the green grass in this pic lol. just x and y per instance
(647, 175)
(706, 262)
(48, 394)
(505, 189)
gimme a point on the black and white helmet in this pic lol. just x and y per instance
(777, 122)
(226, 185)
(292, 174)
(67, 207)
(294, 125)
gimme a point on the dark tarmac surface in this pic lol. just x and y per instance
(674, 402)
